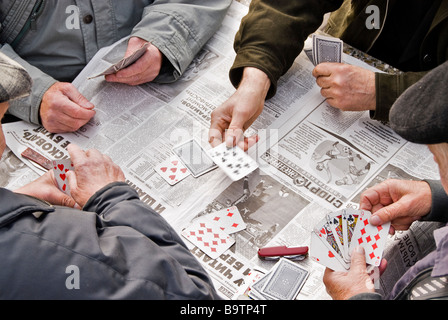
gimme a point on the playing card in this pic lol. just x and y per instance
(123, 63)
(320, 253)
(338, 225)
(371, 238)
(61, 167)
(209, 238)
(228, 220)
(285, 280)
(172, 170)
(326, 235)
(233, 161)
(256, 291)
(326, 49)
(194, 157)
(351, 219)
(309, 54)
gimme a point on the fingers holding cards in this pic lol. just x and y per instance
(340, 232)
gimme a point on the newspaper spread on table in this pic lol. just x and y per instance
(296, 184)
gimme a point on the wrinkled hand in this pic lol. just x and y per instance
(344, 285)
(399, 201)
(46, 188)
(233, 117)
(143, 70)
(346, 87)
(93, 171)
(64, 108)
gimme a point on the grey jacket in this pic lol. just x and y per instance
(55, 39)
(117, 248)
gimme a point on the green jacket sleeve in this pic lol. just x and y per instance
(28, 108)
(388, 88)
(272, 35)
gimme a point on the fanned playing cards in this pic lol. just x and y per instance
(339, 233)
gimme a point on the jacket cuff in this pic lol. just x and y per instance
(367, 296)
(387, 92)
(110, 195)
(250, 57)
(439, 203)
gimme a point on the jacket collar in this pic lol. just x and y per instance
(13, 205)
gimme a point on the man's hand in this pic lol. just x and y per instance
(143, 70)
(64, 108)
(399, 201)
(93, 171)
(344, 285)
(46, 188)
(233, 117)
(346, 87)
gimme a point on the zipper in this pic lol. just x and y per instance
(382, 27)
(31, 22)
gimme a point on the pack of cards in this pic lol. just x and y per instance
(339, 233)
(233, 161)
(123, 63)
(211, 232)
(283, 282)
(325, 49)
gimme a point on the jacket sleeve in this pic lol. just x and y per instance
(179, 29)
(163, 256)
(439, 203)
(388, 88)
(28, 108)
(272, 35)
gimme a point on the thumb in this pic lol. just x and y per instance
(74, 95)
(385, 214)
(358, 260)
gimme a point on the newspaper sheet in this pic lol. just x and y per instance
(313, 158)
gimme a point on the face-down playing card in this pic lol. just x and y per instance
(327, 49)
(61, 168)
(233, 161)
(208, 237)
(194, 157)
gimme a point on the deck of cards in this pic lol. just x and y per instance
(211, 232)
(325, 49)
(283, 282)
(339, 233)
(123, 63)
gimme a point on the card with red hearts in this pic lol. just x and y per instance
(172, 170)
(336, 236)
(61, 167)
